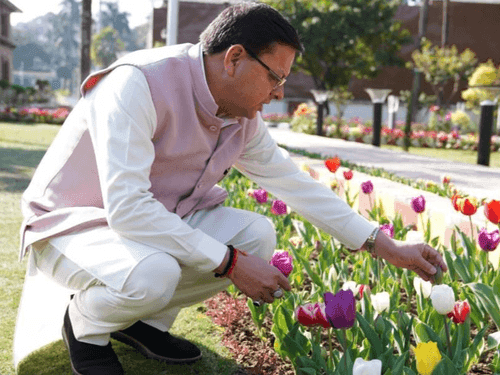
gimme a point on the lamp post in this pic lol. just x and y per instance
(320, 97)
(377, 97)
(486, 125)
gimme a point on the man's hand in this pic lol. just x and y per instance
(257, 279)
(418, 257)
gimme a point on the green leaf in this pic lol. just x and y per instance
(451, 264)
(486, 296)
(494, 340)
(445, 367)
(371, 335)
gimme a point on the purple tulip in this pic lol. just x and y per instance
(488, 241)
(340, 309)
(388, 229)
(367, 187)
(418, 204)
(260, 195)
(283, 261)
(278, 207)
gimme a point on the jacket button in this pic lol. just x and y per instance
(213, 128)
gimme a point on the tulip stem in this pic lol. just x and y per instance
(344, 345)
(447, 328)
(423, 224)
(472, 236)
(331, 347)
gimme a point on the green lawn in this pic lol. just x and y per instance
(21, 148)
(463, 156)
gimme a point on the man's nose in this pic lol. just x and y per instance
(278, 93)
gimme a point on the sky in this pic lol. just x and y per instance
(139, 9)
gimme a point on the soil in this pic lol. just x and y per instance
(255, 355)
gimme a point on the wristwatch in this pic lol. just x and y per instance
(370, 242)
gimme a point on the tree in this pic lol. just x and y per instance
(105, 47)
(345, 38)
(441, 66)
(86, 39)
(112, 16)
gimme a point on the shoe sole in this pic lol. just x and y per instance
(126, 339)
(66, 342)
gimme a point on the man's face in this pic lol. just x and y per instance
(254, 84)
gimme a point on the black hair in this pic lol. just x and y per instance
(256, 26)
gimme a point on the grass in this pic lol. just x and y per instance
(463, 156)
(21, 149)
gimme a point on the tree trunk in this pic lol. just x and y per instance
(86, 39)
(445, 26)
(417, 77)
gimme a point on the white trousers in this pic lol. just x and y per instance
(117, 281)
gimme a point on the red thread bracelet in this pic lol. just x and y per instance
(234, 263)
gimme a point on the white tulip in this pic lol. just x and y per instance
(362, 367)
(380, 301)
(352, 286)
(414, 236)
(443, 298)
(422, 287)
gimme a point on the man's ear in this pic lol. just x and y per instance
(232, 58)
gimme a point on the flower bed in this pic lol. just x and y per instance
(392, 320)
(35, 115)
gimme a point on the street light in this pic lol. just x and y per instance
(486, 124)
(378, 98)
(320, 97)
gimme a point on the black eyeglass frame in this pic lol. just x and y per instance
(281, 81)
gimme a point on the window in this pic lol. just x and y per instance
(6, 70)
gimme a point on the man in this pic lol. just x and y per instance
(124, 208)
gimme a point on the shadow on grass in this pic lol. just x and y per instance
(17, 165)
(54, 359)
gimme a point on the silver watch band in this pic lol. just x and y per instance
(370, 242)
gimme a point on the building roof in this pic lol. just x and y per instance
(11, 6)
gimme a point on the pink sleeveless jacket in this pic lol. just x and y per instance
(192, 152)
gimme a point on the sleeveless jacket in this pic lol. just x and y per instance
(192, 152)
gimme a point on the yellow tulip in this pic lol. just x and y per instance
(428, 356)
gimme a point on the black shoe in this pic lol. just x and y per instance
(155, 344)
(88, 359)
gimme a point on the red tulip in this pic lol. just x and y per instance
(460, 312)
(348, 175)
(311, 315)
(333, 164)
(454, 200)
(363, 289)
(492, 211)
(467, 206)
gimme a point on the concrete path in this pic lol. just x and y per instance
(476, 180)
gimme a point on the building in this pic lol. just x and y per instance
(6, 45)
(471, 25)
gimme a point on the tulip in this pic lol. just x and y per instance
(363, 289)
(332, 275)
(334, 185)
(250, 193)
(492, 211)
(388, 229)
(488, 241)
(348, 175)
(278, 207)
(380, 301)
(467, 206)
(460, 312)
(422, 287)
(333, 164)
(296, 241)
(446, 180)
(340, 309)
(283, 261)
(311, 315)
(454, 201)
(443, 298)
(352, 286)
(260, 195)
(362, 367)
(418, 204)
(367, 187)
(428, 356)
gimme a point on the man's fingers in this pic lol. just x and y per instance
(434, 257)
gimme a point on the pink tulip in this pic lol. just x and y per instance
(283, 261)
(260, 195)
(278, 207)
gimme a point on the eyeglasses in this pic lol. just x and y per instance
(281, 81)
